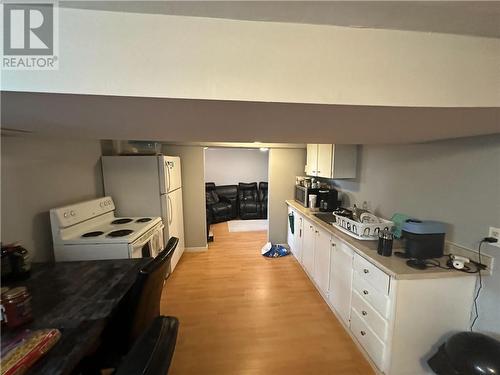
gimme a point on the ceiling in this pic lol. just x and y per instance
(478, 18)
(190, 120)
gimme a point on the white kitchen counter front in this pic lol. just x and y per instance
(393, 265)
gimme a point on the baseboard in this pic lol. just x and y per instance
(196, 249)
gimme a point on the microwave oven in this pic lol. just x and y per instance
(302, 195)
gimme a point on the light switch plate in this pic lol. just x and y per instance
(495, 232)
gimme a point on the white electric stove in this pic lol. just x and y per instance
(90, 231)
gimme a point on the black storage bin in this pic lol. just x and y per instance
(423, 246)
(423, 239)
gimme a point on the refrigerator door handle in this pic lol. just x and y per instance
(168, 176)
(169, 208)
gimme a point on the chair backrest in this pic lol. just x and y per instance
(154, 349)
(228, 191)
(211, 196)
(263, 191)
(146, 293)
(247, 191)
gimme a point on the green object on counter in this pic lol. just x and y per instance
(398, 220)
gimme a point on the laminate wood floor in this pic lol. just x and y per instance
(241, 313)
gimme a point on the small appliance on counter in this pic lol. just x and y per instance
(302, 194)
(424, 239)
(328, 200)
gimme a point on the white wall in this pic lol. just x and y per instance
(37, 175)
(193, 193)
(456, 181)
(284, 166)
(118, 53)
(229, 166)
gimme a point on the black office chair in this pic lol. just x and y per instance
(154, 349)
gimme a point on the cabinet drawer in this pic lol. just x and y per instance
(375, 277)
(369, 315)
(368, 340)
(376, 299)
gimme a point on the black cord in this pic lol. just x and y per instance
(478, 289)
(436, 263)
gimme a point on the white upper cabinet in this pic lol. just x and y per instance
(331, 161)
(312, 159)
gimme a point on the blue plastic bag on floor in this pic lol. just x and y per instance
(274, 251)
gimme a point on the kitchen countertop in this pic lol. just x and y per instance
(393, 266)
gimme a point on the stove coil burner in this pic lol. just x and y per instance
(119, 233)
(93, 234)
(121, 221)
(143, 220)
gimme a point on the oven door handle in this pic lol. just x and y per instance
(152, 233)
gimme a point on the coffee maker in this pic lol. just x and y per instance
(328, 200)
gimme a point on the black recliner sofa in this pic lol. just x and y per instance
(249, 204)
(263, 199)
(230, 193)
(218, 208)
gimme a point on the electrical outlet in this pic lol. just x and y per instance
(495, 232)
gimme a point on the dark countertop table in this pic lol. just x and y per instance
(77, 298)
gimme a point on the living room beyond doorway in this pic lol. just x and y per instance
(236, 188)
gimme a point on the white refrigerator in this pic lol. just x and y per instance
(148, 186)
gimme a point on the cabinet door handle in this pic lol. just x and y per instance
(365, 292)
(316, 231)
(364, 313)
(366, 270)
(318, 171)
(363, 333)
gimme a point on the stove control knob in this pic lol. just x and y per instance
(66, 214)
(72, 213)
(102, 204)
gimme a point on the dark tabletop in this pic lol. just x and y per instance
(77, 298)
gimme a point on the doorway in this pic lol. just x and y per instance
(236, 189)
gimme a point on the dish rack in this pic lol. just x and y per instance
(361, 231)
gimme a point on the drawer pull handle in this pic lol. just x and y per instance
(365, 292)
(366, 271)
(364, 313)
(363, 333)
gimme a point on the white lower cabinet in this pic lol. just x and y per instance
(368, 339)
(367, 313)
(308, 247)
(339, 293)
(396, 322)
(321, 273)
